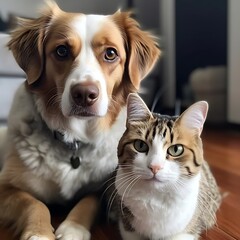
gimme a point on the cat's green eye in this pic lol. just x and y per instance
(140, 146)
(175, 150)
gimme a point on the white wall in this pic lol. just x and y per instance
(234, 61)
(26, 8)
(167, 26)
(92, 6)
(29, 8)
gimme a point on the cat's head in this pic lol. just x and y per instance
(161, 149)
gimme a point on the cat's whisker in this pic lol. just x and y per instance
(129, 166)
(139, 177)
(110, 202)
(123, 177)
(110, 179)
(123, 180)
(114, 194)
(132, 182)
(136, 170)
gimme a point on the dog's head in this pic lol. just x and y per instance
(82, 66)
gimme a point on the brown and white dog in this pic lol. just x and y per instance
(68, 116)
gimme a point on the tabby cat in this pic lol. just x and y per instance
(164, 187)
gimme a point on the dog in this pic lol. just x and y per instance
(67, 117)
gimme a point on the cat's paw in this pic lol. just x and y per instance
(184, 236)
(69, 230)
(38, 238)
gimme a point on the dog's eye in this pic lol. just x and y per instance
(62, 51)
(110, 54)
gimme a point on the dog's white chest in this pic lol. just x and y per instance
(50, 160)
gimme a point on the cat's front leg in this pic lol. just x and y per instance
(184, 236)
(127, 235)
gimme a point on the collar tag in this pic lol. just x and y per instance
(75, 162)
(74, 146)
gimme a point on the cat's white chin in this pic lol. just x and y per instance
(162, 178)
(156, 180)
(155, 183)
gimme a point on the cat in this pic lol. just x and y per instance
(164, 188)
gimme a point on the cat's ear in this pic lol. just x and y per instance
(137, 110)
(195, 116)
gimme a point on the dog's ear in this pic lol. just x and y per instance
(27, 42)
(141, 47)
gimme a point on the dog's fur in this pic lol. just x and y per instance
(106, 56)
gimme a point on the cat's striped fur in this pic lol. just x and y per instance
(165, 189)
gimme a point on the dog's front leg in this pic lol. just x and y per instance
(79, 221)
(30, 216)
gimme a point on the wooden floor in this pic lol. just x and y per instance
(222, 151)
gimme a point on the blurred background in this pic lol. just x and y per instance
(200, 42)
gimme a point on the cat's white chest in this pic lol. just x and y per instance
(164, 215)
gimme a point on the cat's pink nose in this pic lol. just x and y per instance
(155, 168)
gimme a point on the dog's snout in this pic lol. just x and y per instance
(84, 94)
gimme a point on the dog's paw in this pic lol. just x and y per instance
(36, 237)
(69, 230)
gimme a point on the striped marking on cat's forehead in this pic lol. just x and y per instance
(155, 128)
(160, 126)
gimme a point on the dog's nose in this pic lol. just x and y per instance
(84, 95)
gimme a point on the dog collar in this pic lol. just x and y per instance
(74, 146)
